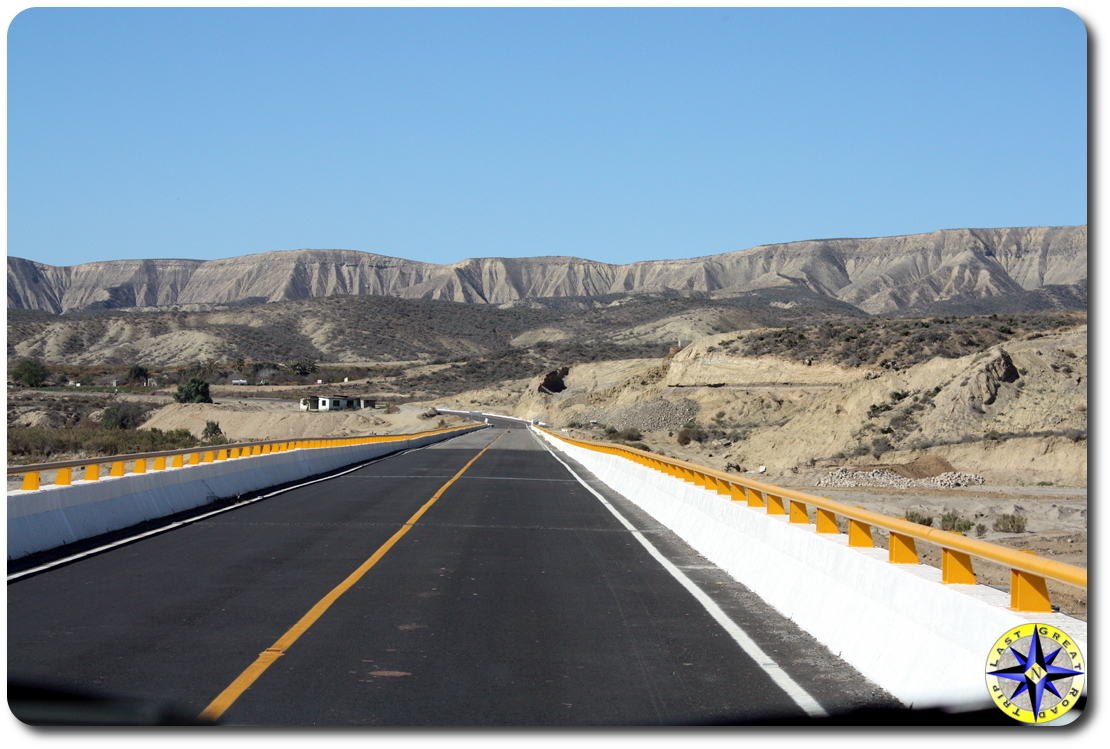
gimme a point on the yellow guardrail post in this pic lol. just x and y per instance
(140, 466)
(755, 497)
(92, 472)
(159, 464)
(30, 481)
(194, 459)
(64, 477)
(859, 533)
(117, 468)
(826, 521)
(955, 568)
(903, 550)
(775, 505)
(178, 461)
(1028, 592)
(221, 455)
(798, 512)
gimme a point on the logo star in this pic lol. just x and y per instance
(1035, 672)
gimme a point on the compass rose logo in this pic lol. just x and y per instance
(1035, 673)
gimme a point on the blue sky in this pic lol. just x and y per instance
(611, 134)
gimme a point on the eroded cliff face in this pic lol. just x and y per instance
(877, 275)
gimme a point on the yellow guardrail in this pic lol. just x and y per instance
(189, 456)
(1028, 573)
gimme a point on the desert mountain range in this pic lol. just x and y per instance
(878, 276)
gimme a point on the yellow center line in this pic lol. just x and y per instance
(227, 697)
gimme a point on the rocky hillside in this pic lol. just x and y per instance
(1013, 411)
(386, 329)
(879, 275)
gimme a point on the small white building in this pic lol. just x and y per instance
(335, 403)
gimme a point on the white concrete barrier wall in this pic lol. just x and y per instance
(924, 642)
(56, 515)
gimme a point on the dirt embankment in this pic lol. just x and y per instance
(245, 421)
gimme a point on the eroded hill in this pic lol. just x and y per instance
(875, 275)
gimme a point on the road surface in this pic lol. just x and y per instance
(516, 596)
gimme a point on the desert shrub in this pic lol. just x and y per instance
(632, 434)
(193, 390)
(980, 530)
(921, 519)
(45, 444)
(211, 430)
(122, 416)
(392, 409)
(691, 431)
(880, 445)
(876, 409)
(1006, 523)
(951, 521)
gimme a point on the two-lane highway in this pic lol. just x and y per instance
(474, 582)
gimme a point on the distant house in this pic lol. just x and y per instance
(335, 403)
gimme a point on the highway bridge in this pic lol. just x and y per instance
(490, 575)
(480, 581)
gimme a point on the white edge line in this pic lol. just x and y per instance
(794, 690)
(171, 526)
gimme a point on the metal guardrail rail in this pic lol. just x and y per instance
(1028, 573)
(189, 456)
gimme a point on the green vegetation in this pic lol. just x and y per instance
(302, 367)
(46, 444)
(921, 519)
(1006, 523)
(137, 374)
(124, 415)
(952, 521)
(30, 372)
(194, 390)
(211, 431)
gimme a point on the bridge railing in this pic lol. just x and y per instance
(1028, 573)
(159, 461)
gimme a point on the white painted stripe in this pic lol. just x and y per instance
(794, 690)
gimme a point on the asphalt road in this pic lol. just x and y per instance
(516, 598)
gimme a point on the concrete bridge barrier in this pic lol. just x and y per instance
(59, 514)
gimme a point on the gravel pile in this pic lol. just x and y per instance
(842, 478)
(649, 416)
